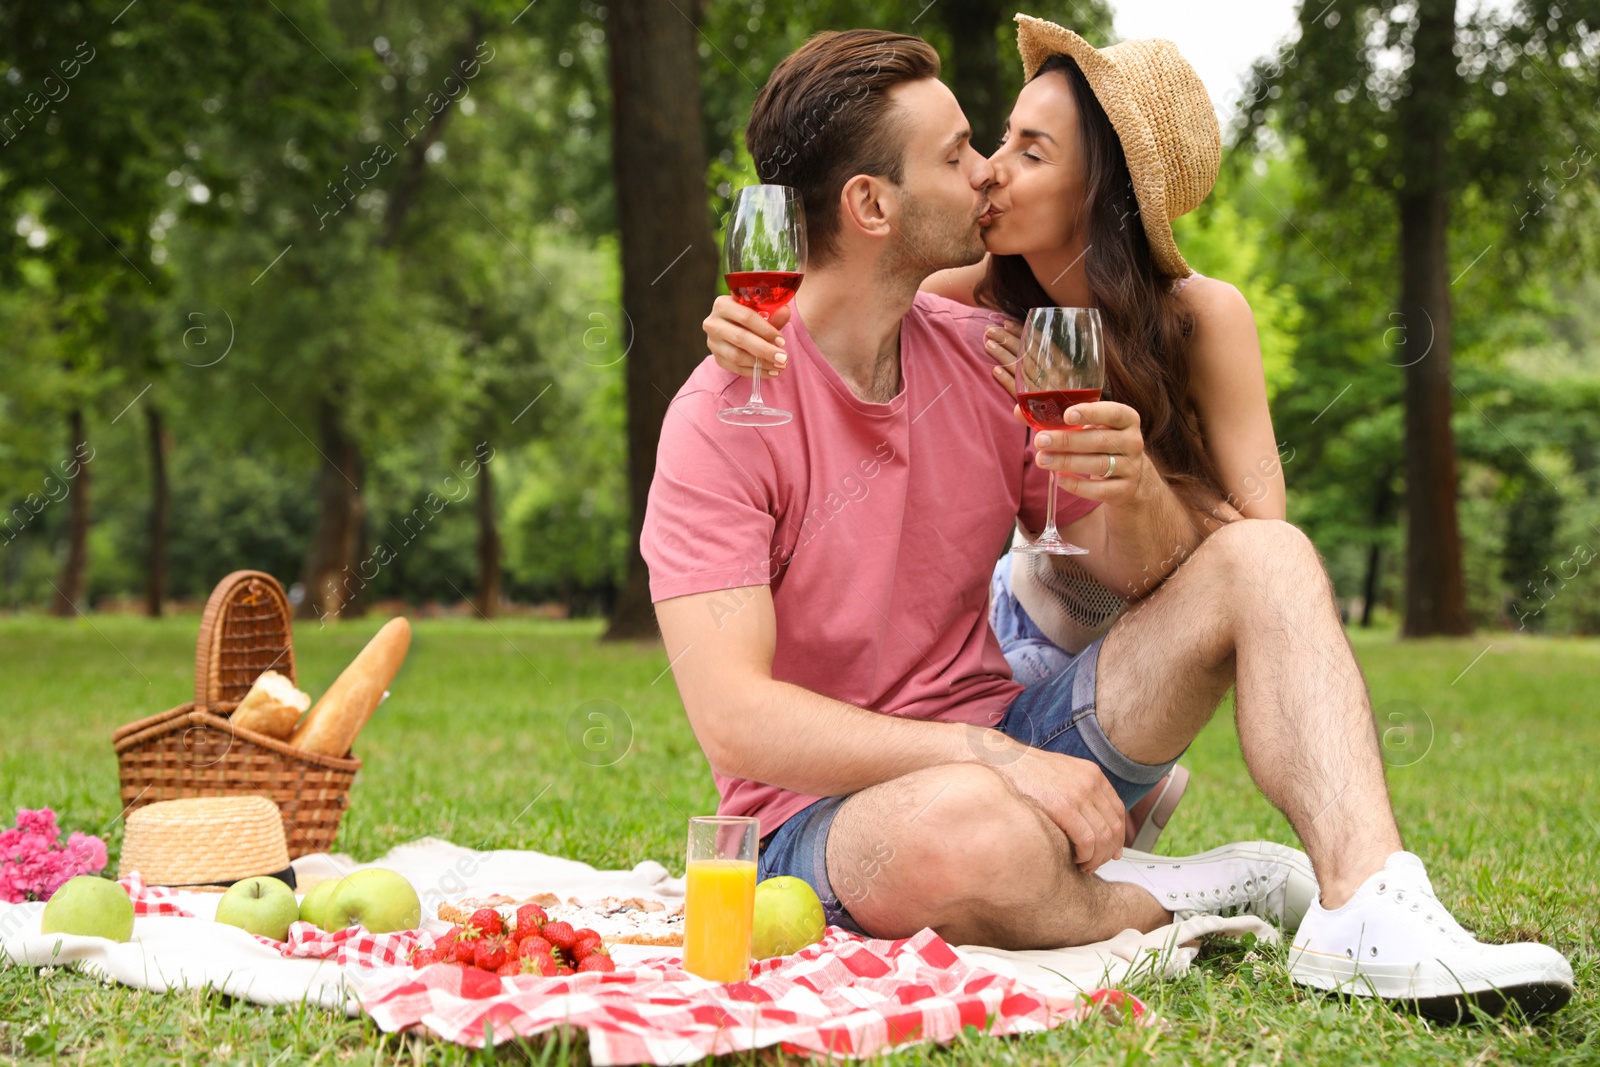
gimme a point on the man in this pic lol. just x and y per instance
(821, 589)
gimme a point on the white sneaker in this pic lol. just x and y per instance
(1272, 881)
(1394, 940)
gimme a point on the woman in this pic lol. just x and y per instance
(1077, 218)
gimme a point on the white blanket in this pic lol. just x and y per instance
(174, 953)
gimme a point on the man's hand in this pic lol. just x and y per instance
(1073, 792)
(1102, 458)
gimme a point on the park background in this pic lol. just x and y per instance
(276, 278)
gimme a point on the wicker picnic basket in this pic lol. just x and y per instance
(193, 750)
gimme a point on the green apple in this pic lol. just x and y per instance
(314, 907)
(788, 918)
(262, 905)
(93, 907)
(379, 900)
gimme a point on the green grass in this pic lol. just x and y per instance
(482, 743)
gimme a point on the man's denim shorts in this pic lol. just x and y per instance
(1057, 714)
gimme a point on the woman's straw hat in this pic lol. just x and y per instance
(205, 841)
(1162, 115)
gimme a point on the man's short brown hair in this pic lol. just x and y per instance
(825, 116)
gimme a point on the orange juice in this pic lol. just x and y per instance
(719, 907)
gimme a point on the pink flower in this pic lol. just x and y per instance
(33, 861)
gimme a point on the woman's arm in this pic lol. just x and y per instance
(957, 283)
(737, 337)
(1229, 390)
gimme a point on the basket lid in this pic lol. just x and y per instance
(245, 630)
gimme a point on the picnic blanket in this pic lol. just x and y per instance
(847, 995)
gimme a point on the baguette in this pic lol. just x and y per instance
(344, 709)
(272, 706)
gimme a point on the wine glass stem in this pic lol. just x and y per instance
(1050, 533)
(755, 386)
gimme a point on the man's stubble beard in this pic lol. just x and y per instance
(928, 241)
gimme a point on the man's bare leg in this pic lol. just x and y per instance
(957, 849)
(1253, 607)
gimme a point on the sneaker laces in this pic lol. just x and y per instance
(1418, 898)
(1232, 901)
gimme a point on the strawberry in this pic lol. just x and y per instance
(599, 961)
(463, 951)
(560, 934)
(532, 946)
(586, 945)
(424, 957)
(491, 953)
(530, 920)
(536, 965)
(476, 984)
(487, 922)
(509, 969)
(450, 938)
(562, 972)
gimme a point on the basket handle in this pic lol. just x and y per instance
(209, 651)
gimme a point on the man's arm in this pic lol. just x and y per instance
(752, 726)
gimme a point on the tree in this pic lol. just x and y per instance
(669, 260)
(978, 41)
(1442, 113)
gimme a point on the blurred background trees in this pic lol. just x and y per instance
(383, 298)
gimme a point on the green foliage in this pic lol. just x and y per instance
(1319, 164)
(235, 255)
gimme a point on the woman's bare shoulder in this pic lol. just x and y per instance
(1224, 334)
(1211, 300)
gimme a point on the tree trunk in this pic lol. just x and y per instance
(1380, 519)
(974, 70)
(669, 261)
(75, 570)
(155, 581)
(1435, 589)
(1369, 588)
(331, 577)
(488, 546)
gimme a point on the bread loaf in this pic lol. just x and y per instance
(347, 705)
(272, 706)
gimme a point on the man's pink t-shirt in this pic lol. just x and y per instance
(876, 525)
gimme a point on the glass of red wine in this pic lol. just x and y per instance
(1060, 365)
(766, 251)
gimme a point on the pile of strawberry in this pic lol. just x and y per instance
(531, 945)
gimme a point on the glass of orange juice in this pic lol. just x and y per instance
(720, 901)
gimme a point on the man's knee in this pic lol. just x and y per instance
(966, 825)
(1250, 548)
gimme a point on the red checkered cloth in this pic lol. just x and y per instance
(844, 996)
(153, 899)
(353, 946)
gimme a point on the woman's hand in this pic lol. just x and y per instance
(738, 337)
(1003, 342)
(1102, 457)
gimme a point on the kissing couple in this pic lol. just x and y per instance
(933, 731)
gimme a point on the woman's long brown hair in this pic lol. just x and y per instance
(1146, 328)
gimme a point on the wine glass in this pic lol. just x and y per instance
(1060, 365)
(766, 251)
